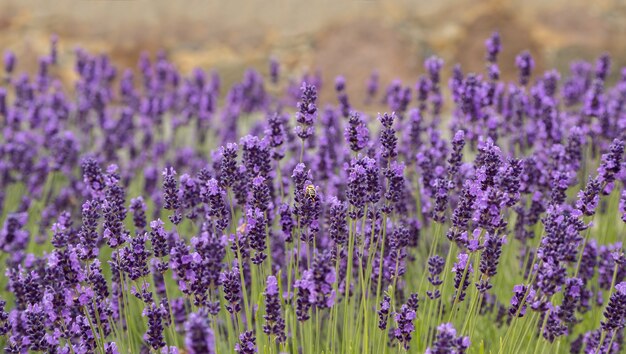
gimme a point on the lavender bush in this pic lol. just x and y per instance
(148, 211)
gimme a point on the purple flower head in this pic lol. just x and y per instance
(611, 165)
(456, 157)
(247, 343)
(433, 66)
(315, 287)
(550, 81)
(522, 295)
(525, 64)
(494, 46)
(199, 338)
(154, 335)
(388, 139)
(356, 133)
(286, 222)
(396, 184)
(217, 207)
(462, 269)
(170, 189)
(255, 230)
(158, 238)
(276, 134)
(54, 40)
(260, 193)
(93, 176)
(571, 299)
(404, 321)
(435, 268)
(615, 312)
(595, 100)
(232, 289)
(9, 61)
(228, 166)
(589, 197)
(603, 66)
(340, 83)
(372, 86)
(256, 156)
(338, 225)
(490, 257)
(447, 341)
(383, 312)
(306, 114)
(138, 208)
(274, 321)
(274, 70)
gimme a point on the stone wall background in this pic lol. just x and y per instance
(349, 37)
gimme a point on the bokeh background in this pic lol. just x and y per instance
(349, 37)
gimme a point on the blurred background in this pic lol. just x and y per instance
(349, 37)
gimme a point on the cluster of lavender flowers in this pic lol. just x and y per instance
(151, 211)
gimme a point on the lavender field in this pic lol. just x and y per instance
(152, 210)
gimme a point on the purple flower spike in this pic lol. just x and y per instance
(274, 322)
(306, 111)
(494, 46)
(611, 165)
(615, 312)
(525, 64)
(247, 343)
(404, 321)
(383, 312)
(199, 338)
(458, 269)
(447, 341)
(9, 62)
(356, 133)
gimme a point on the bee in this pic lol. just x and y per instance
(242, 228)
(310, 192)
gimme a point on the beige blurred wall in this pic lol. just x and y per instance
(349, 37)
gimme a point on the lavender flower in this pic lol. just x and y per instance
(404, 321)
(170, 189)
(589, 197)
(9, 61)
(490, 257)
(138, 208)
(228, 166)
(154, 336)
(356, 133)
(462, 270)
(92, 175)
(247, 343)
(525, 64)
(383, 312)
(315, 287)
(217, 208)
(274, 322)
(435, 268)
(611, 165)
(232, 289)
(493, 47)
(306, 111)
(338, 228)
(388, 139)
(522, 295)
(447, 341)
(199, 338)
(274, 70)
(615, 311)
